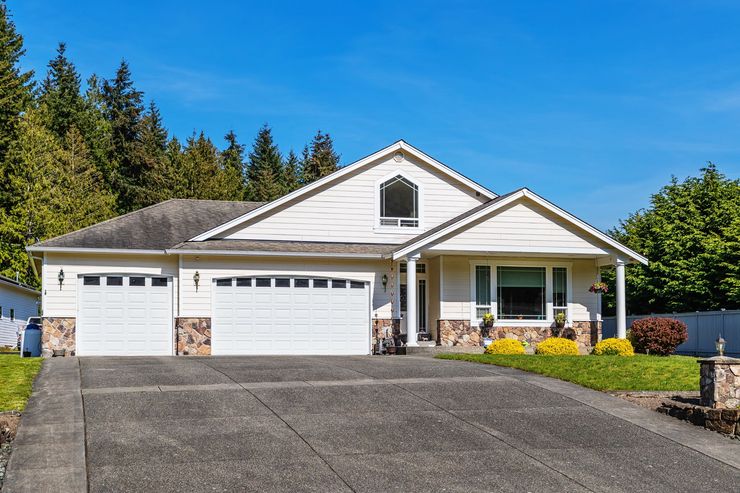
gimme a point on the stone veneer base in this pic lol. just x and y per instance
(461, 333)
(193, 336)
(58, 334)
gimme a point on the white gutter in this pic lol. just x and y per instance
(263, 253)
(95, 250)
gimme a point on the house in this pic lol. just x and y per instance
(327, 268)
(18, 302)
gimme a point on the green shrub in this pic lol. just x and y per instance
(505, 346)
(557, 346)
(614, 347)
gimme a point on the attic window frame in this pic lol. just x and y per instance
(386, 223)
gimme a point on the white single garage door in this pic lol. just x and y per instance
(290, 315)
(124, 315)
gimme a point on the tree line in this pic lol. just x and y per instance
(74, 154)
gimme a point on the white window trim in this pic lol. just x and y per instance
(378, 228)
(549, 312)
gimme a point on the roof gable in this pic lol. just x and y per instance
(498, 222)
(329, 180)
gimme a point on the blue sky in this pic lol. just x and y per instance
(593, 105)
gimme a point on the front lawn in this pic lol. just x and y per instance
(16, 375)
(638, 372)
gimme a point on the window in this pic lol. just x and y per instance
(91, 281)
(399, 203)
(162, 281)
(223, 282)
(243, 281)
(356, 285)
(338, 283)
(282, 282)
(560, 291)
(420, 268)
(521, 293)
(482, 290)
(320, 283)
(136, 281)
(1, 312)
(114, 281)
(12, 314)
(300, 283)
(263, 282)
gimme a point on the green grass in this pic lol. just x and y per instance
(638, 372)
(16, 375)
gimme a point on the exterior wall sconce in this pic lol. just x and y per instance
(196, 280)
(60, 277)
(720, 345)
(384, 281)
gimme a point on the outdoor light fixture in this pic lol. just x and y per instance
(196, 280)
(720, 345)
(60, 277)
(384, 280)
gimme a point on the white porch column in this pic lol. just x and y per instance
(411, 310)
(621, 302)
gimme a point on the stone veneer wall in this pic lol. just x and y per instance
(58, 333)
(720, 382)
(193, 336)
(461, 333)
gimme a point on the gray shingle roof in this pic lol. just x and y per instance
(156, 227)
(286, 246)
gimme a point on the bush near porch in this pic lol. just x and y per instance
(640, 372)
(17, 375)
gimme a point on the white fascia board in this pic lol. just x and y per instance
(540, 201)
(262, 253)
(95, 250)
(400, 145)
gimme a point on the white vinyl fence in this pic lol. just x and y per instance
(704, 328)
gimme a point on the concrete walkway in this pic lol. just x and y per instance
(346, 424)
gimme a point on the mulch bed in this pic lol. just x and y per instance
(8, 427)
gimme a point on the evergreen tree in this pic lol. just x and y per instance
(291, 173)
(264, 172)
(96, 129)
(60, 95)
(202, 175)
(151, 156)
(16, 86)
(319, 158)
(232, 161)
(124, 110)
(691, 234)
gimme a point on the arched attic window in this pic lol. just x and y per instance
(399, 203)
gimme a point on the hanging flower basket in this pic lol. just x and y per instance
(599, 287)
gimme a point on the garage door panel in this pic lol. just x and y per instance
(316, 317)
(125, 319)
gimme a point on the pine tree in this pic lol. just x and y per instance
(16, 86)
(291, 173)
(60, 95)
(124, 110)
(151, 156)
(232, 161)
(264, 171)
(96, 129)
(202, 175)
(319, 158)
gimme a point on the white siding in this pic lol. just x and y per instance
(457, 297)
(523, 226)
(346, 210)
(198, 303)
(23, 304)
(63, 302)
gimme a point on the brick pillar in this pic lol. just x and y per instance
(720, 382)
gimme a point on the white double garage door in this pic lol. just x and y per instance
(132, 315)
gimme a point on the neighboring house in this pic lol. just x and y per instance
(18, 302)
(323, 269)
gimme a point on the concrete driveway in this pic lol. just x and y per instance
(348, 424)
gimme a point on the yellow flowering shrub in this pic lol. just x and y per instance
(557, 346)
(505, 346)
(614, 347)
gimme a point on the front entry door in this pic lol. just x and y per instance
(421, 306)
